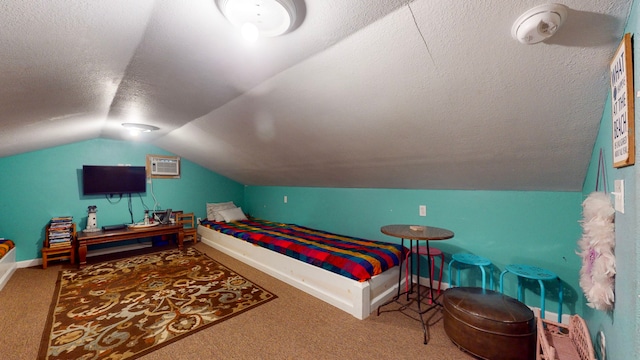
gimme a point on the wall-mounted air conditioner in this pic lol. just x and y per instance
(166, 166)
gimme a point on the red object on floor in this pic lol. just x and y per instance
(433, 253)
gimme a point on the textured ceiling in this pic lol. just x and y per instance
(420, 94)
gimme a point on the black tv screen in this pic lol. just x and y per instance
(101, 180)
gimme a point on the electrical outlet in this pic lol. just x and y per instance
(423, 210)
(619, 195)
(199, 220)
(286, 198)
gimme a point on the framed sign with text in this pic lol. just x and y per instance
(621, 73)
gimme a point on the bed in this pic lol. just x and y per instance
(7, 261)
(298, 256)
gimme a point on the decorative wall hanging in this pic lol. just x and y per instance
(597, 275)
(621, 73)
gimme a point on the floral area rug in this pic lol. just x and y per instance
(126, 308)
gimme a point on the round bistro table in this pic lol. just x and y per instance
(416, 233)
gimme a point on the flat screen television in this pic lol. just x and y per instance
(106, 180)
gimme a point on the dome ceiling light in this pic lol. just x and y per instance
(539, 23)
(259, 17)
(135, 128)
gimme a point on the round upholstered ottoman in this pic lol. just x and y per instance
(488, 324)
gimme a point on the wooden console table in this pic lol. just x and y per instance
(101, 237)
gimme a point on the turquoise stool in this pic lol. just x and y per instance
(534, 273)
(470, 259)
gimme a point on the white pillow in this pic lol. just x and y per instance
(213, 210)
(234, 214)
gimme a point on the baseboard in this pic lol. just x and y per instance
(105, 251)
(29, 263)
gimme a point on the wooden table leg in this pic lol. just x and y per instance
(82, 255)
(180, 239)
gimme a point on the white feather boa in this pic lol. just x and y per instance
(597, 251)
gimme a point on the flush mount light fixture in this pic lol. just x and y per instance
(539, 23)
(135, 129)
(259, 17)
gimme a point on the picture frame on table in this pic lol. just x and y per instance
(161, 215)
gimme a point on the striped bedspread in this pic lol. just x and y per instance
(5, 246)
(357, 259)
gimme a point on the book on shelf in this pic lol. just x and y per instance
(64, 225)
(57, 240)
(60, 232)
(59, 245)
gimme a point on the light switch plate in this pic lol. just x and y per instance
(618, 192)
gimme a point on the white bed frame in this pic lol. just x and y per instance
(359, 299)
(7, 266)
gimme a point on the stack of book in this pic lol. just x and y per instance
(60, 231)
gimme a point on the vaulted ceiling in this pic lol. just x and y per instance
(421, 94)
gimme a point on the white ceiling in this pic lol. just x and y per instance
(422, 94)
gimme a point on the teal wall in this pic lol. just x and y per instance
(538, 228)
(621, 326)
(39, 185)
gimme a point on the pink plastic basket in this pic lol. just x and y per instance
(563, 342)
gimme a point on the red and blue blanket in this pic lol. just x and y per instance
(355, 258)
(5, 246)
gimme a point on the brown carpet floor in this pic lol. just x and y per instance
(294, 326)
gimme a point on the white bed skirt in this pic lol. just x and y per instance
(359, 299)
(7, 266)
